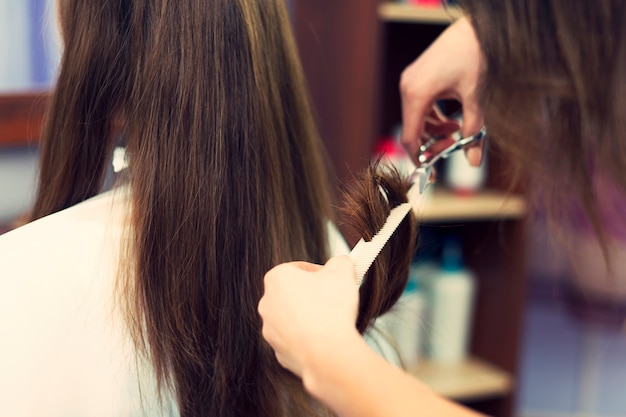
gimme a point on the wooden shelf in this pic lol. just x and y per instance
(442, 205)
(368, 108)
(403, 12)
(473, 379)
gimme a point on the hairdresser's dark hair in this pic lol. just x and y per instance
(227, 178)
(554, 94)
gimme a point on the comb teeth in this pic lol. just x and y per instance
(364, 253)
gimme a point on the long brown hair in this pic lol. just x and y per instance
(554, 94)
(227, 178)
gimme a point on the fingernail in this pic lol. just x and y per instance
(475, 156)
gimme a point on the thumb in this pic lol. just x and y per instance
(473, 119)
(340, 265)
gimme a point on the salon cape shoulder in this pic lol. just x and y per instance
(63, 346)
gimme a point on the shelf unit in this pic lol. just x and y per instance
(469, 380)
(441, 205)
(403, 12)
(353, 71)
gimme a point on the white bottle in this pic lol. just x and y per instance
(463, 178)
(460, 176)
(422, 272)
(405, 324)
(451, 302)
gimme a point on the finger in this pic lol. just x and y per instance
(474, 155)
(412, 126)
(305, 266)
(279, 269)
(341, 266)
(473, 119)
(440, 145)
(434, 116)
(442, 129)
(414, 109)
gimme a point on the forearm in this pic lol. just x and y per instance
(355, 381)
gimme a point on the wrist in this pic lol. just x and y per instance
(326, 363)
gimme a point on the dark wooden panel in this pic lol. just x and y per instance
(404, 43)
(339, 48)
(495, 252)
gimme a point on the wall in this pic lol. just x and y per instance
(17, 182)
(29, 43)
(29, 54)
(573, 360)
(570, 366)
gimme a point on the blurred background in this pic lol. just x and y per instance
(29, 55)
(547, 336)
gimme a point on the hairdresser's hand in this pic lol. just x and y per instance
(308, 310)
(449, 68)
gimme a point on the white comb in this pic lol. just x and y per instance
(364, 253)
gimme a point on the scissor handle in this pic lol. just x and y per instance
(424, 170)
(458, 144)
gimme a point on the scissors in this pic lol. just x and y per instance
(424, 171)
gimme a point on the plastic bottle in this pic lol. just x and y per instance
(409, 324)
(404, 323)
(395, 153)
(463, 178)
(459, 175)
(423, 269)
(451, 300)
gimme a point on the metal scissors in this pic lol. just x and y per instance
(424, 171)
